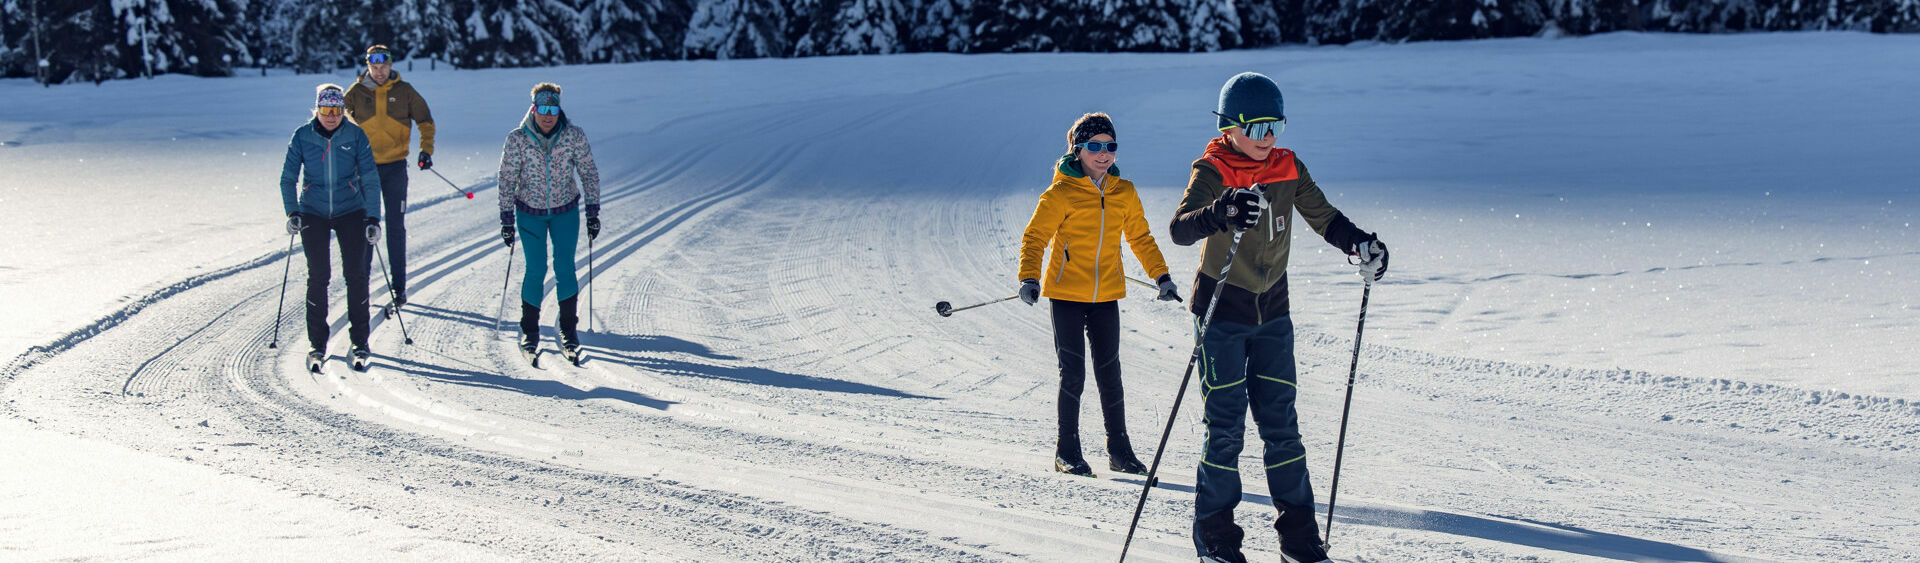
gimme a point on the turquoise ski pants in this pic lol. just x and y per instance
(534, 230)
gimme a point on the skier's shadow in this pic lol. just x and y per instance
(535, 387)
(432, 312)
(656, 353)
(1543, 535)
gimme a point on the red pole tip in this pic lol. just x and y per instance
(469, 196)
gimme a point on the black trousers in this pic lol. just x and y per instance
(351, 229)
(393, 191)
(1078, 327)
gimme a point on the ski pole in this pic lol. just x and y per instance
(589, 284)
(392, 296)
(1206, 319)
(284, 272)
(947, 309)
(456, 187)
(1144, 283)
(511, 250)
(1340, 446)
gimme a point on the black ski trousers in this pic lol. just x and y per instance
(1078, 327)
(351, 229)
(393, 191)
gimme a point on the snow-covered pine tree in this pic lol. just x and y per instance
(633, 30)
(940, 26)
(733, 29)
(1002, 26)
(514, 33)
(1260, 23)
(1212, 25)
(179, 36)
(853, 27)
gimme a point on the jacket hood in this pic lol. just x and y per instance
(545, 140)
(393, 77)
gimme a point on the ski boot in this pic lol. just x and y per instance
(315, 359)
(1066, 458)
(570, 338)
(362, 358)
(1120, 457)
(530, 334)
(1219, 539)
(1299, 535)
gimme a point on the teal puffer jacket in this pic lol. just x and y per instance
(339, 172)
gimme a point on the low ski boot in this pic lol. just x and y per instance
(1218, 539)
(569, 337)
(1066, 458)
(530, 334)
(1120, 457)
(362, 358)
(1299, 535)
(315, 359)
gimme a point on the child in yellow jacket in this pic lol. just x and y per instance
(1079, 223)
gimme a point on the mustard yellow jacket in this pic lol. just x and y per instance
(1084, 225)
(388, 113)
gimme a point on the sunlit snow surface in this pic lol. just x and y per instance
(1651, 299)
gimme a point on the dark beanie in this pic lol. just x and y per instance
(1249, 96)
(1087, 127)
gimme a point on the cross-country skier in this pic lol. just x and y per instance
(329, 184)
(540, 199)
(1242, 182)
(1082, 218)
(386, 108)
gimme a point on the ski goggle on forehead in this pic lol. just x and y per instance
(1259, 128)
(547, 110)
(1097, 146)
(379, 58)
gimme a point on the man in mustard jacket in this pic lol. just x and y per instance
(387, 108)
(1083, 217)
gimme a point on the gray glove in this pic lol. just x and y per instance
(295, 224)
(1168, 291)
(1030, 291)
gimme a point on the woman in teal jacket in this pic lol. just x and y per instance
(329, 185)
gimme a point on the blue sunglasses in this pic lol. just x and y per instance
(379, 58)
(547, 110)
(1097, 146)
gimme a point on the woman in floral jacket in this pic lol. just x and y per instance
(540, 199)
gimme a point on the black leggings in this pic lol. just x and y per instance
(393, 191)
(352, 231)
(1075, 326)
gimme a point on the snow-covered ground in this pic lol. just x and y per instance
(1651, 299)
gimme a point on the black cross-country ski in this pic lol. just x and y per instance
(530, 350)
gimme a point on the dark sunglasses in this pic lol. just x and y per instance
(547, 110)
(379, 58)
(1097, 146)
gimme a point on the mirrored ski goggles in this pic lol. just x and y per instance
(330, 111)
(379, 58)
(1259, 128)
(547, 110)
(1097, 146)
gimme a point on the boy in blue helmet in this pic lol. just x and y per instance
(1242, 182)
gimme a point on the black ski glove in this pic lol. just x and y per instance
(1168, 291)
(373, 230)
(295, 223)
(1030, 291)
(506, 235)
(426, 160)
(593, 228)
(1238, 209)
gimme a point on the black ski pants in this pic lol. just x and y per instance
(1078, 327)
(393, 191)
(351, 229)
